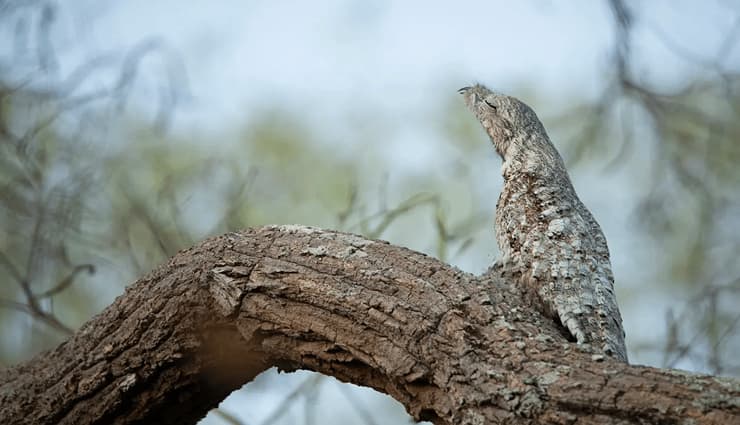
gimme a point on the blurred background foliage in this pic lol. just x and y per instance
(95, 191)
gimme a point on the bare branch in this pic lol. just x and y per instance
(307, 385)
(67, 281)
(452, 347)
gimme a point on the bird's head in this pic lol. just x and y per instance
(504, 118)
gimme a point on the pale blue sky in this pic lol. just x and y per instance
(323, 55)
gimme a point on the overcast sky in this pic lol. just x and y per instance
(387, 54)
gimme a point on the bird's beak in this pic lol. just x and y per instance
(463, 90)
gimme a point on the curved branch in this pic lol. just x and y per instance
(452, 347)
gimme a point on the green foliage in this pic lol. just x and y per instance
(126, 208)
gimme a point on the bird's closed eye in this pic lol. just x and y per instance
(491, 105)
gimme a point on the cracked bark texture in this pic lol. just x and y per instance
(452, 347)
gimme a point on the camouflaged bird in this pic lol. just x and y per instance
(548, 239)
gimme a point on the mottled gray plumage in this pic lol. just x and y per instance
(547, 237)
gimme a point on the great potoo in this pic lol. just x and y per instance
(549, 241)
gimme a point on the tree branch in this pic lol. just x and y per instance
(452, 347)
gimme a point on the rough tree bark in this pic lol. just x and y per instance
(452, 347)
